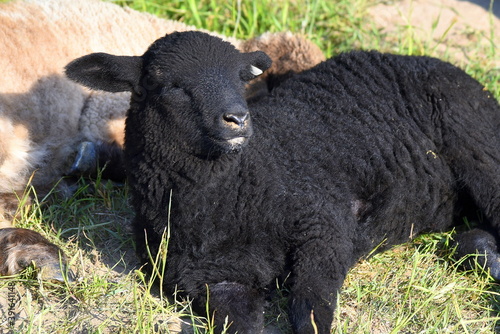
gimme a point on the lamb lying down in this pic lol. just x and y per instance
(45, 119)
(363, 150)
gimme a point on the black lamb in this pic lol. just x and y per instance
(364, 149)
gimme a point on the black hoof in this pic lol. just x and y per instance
(484, 246)
(85, 160)
(92, 156)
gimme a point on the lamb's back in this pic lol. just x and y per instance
(366, 129)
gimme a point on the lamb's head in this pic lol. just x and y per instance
(190, 83)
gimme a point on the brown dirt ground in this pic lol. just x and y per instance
(460, 29)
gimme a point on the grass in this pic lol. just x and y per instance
(413, 288)
(331, 24)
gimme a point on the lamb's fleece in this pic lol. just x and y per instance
(43, 115)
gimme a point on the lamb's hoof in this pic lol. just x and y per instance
(21, 248)
(92, 156)
(85, 160)
(56, 272)
(483, 246)
(495, 270)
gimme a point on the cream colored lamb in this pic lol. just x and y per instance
(43, 116)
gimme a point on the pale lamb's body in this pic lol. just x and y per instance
(43, 116)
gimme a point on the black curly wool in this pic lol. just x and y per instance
(362, 150)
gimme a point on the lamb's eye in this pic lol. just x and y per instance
(174, 89)
(175, 94)
(179, 91)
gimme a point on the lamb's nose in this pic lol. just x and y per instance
(236, 118)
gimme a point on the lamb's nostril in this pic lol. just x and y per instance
(238, 119)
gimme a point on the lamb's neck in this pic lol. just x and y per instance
(189, 170)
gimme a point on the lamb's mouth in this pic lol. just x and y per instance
(232, 144)
(237, 141)
(231, 140)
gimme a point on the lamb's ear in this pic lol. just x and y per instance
(106, 72)
(258, 62)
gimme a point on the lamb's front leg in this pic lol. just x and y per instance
(318, 271)
(237, 306)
